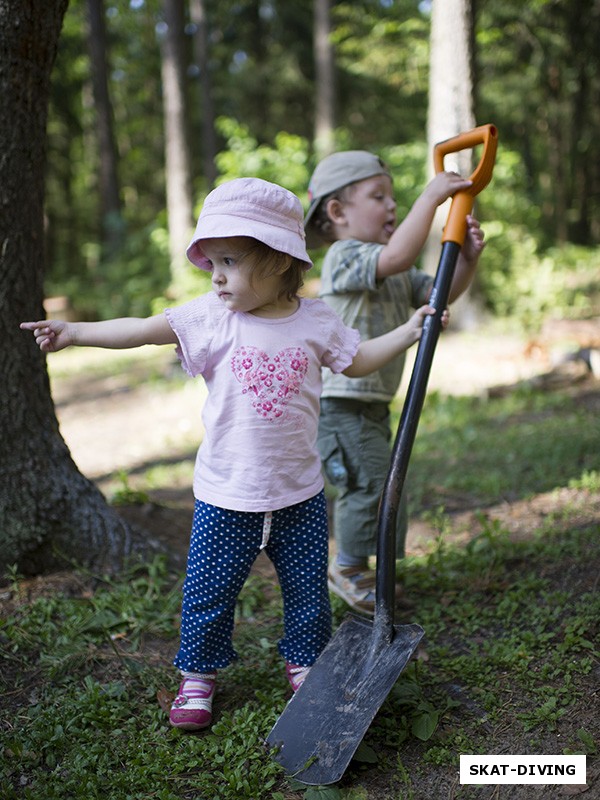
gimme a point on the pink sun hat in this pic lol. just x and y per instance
(251, 207)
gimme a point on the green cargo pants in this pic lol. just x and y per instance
(355, 448)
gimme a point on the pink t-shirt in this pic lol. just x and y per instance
(264, 383)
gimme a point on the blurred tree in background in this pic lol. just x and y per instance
(539, 64)
(255, 71)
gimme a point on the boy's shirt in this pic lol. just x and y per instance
(350, 287)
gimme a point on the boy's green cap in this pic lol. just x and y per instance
(333, 173)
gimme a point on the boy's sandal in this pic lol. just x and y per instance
(356, 586)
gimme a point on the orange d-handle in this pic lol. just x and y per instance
(462, 202)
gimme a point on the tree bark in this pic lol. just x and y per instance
(209, 139)
(110, 196)
(324, 80)
(450, 112)
(48, 510)
(177, 157)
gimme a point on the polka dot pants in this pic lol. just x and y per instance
(224, 545)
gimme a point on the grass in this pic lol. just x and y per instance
(511, 649)
(503, 449)
(87, 725)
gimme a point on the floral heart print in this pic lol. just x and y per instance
(270, 383)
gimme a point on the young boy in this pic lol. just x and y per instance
(369, 279)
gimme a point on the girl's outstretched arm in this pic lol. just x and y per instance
(373, 354)
(54, 334)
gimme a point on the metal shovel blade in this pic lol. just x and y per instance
(321, 727)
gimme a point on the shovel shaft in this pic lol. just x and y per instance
(452, 240)
(407, 429)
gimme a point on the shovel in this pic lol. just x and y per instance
(322, 725)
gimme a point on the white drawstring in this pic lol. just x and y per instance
(266, 531)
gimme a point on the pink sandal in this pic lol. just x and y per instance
(192, 708)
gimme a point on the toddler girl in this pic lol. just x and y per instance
(257, 480)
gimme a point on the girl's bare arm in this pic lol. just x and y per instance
(376, 353)
(54, 335)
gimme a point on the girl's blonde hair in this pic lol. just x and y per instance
(266, 262)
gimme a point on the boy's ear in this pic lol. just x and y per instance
(335, 210)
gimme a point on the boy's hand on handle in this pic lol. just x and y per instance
(444, 185)
(474, 244)
(50, 335)
(468, 258)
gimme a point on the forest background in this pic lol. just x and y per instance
(237, 88)
(120, 116)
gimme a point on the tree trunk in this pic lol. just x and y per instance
(48, 510)
(177, 158)
(209, 139)
(110, 199)
(450, 112)
(324, 80)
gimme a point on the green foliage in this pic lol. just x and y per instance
(589, 746)
(510, 447)
(513, 627)
(125, 495)
(506, 198)
(77, 632)
(85, 734)
(590, 481)
(285, 162)
(102, 284)
(411, 711)
(323, 793)
(521, 283)
(87, 737)
(382, 53)
(536, 82)
(518, 278)
(407, 163)
(122, 285)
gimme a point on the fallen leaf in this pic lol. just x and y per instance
(165, 698)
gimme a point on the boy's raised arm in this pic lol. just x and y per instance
(407, 241)
(54, 335)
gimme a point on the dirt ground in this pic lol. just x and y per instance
(115, 423)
